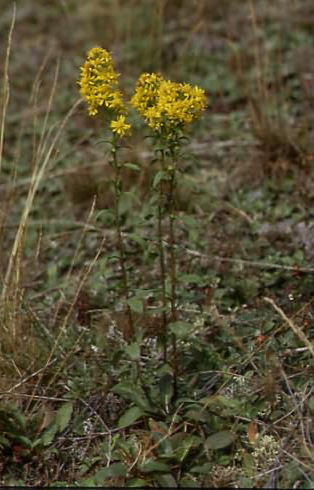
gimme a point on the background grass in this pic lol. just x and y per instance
(245, 406)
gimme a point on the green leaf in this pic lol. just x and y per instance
(133, 351)
(138, 239)
(161, 175)
(203, 469)
(180, 329)
(187, 482)
(133, 166)
(152, 466)
(49, 435)
(137, 482)
(132, 393)
(24, 440)
(166, 481)
(63, 416)
(4, 441)
(136, 305)
(114, 470)
(191, 279)
(219, 440)
(130, 416)
(166, 387)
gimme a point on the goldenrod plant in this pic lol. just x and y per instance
(99, 86)
(168, 107)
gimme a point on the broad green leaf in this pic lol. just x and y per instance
(136, 305)
(219, 440)
(187, 482)
(24, 440)
(152, 466)
(166, 387)
(203, 469)
(180, 329)
(49, 434)
(132, 393)
(63, 416)
(130, 416)
(197, 415)
(133, 351)
(138, 483)
(166, 481)
(114, 470)
(191, 278)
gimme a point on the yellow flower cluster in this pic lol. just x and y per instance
(99, 87)
(167, 105)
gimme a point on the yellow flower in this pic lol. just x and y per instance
(167, 105)
(146, 91)
(99, 81)
(120, 126)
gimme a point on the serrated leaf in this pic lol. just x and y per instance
(130, 416)
(152, 466)
(219, 440)
(63, 416)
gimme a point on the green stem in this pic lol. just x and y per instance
(162, 271)
(128, 333)
(173, 265)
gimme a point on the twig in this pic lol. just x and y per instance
(254, 263)
(297, 330)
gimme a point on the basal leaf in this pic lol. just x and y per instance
(63, 416)
(130, 416)
(152, 466)
(219, 440)
(132, 393)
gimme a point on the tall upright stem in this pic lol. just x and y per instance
(162, 264)
(173, 265)
(128, 333)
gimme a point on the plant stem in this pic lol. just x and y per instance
(162, 264)
(173, 265)
(128, 332)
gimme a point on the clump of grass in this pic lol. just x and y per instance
(279, 141)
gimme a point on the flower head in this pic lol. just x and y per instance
(120, 126)
(99, 82)
(146, 92)
(167, 105)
